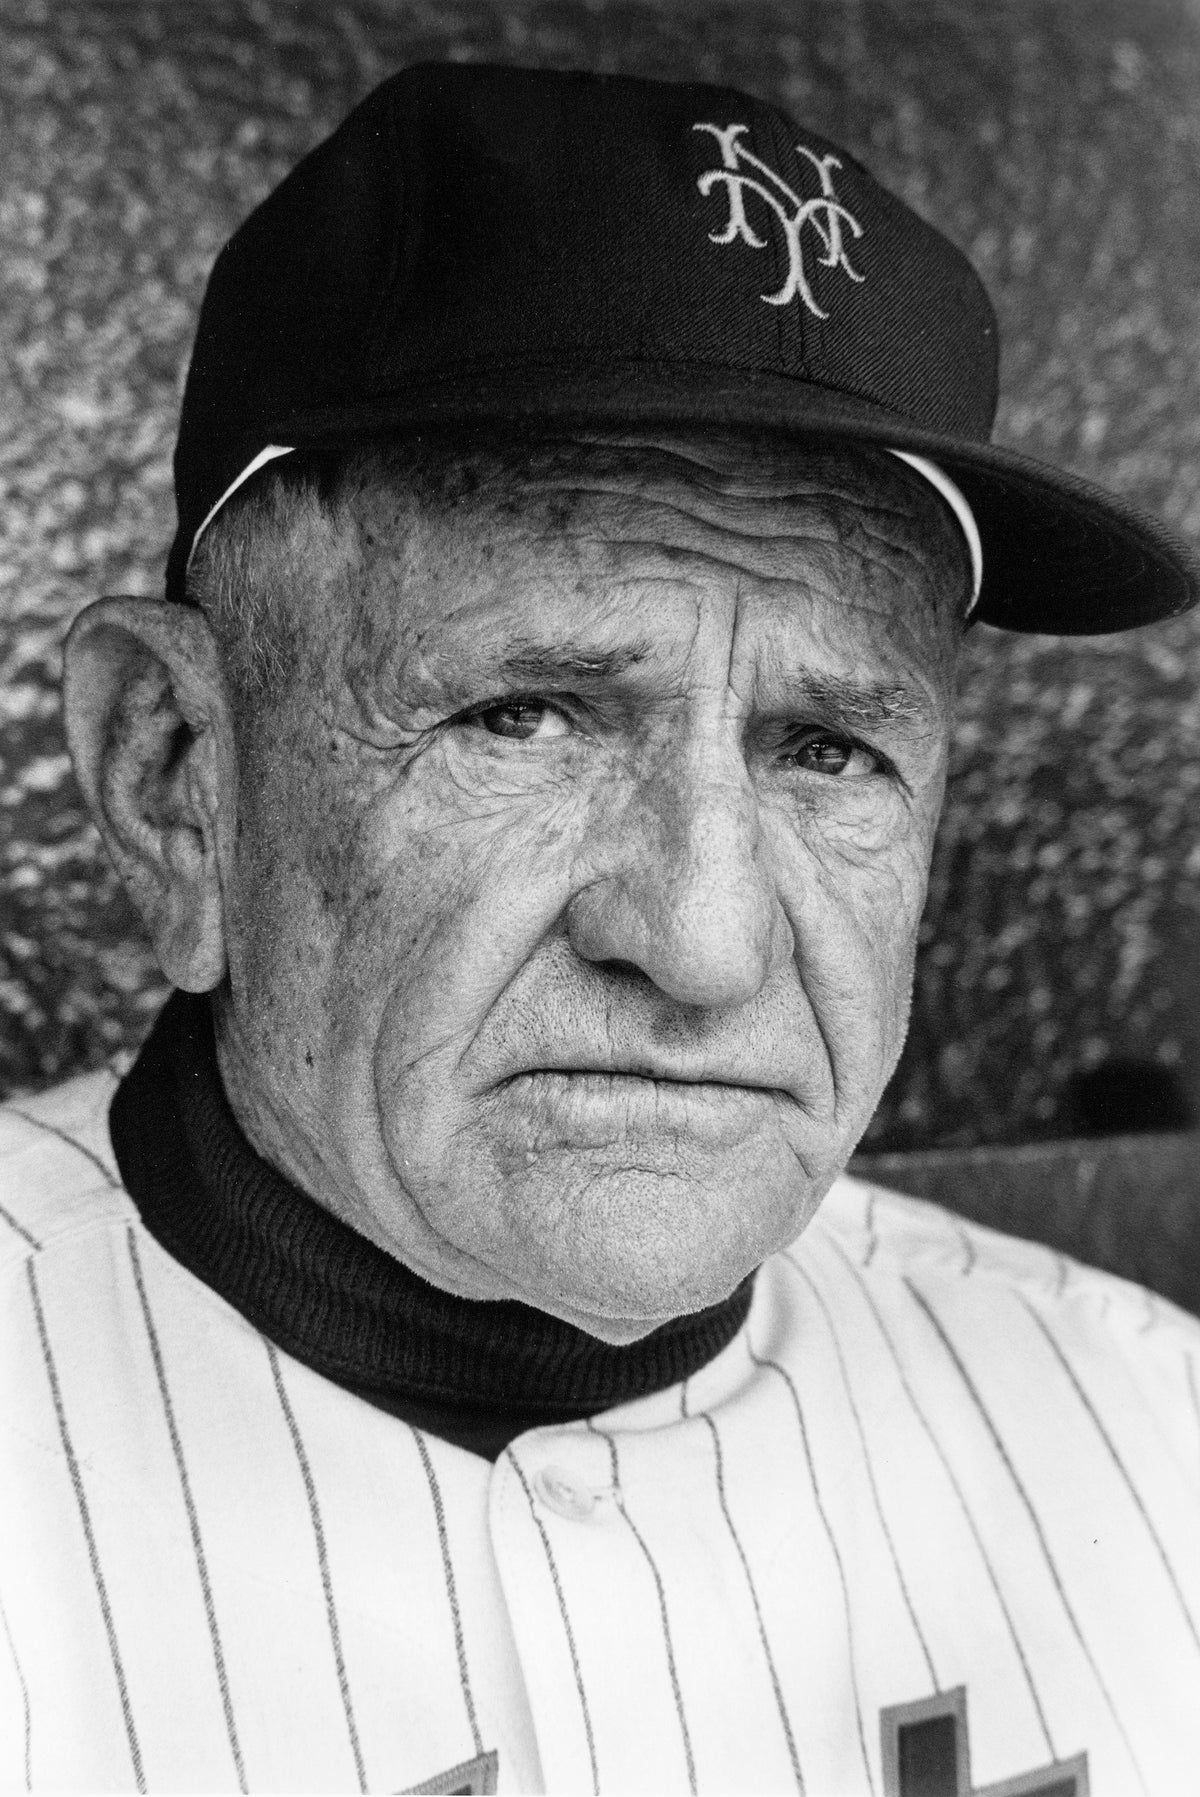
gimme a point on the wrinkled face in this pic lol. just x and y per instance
(573, 916)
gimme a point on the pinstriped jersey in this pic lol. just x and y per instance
(927, 1525)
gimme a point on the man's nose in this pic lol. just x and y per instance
(687, 895)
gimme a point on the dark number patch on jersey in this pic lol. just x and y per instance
(927, 1753)
(473, 1778)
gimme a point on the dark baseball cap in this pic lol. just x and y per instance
(481, 246)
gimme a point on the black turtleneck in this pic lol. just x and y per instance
(475, 1372)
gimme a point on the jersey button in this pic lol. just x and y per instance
(563, 1494)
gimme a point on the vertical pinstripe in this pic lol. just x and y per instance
(959, 1494)
(135, 1751)
(762, 1633)
(460, 1646)
(835, 1550)
(27, 1718)
(872, 1238)
(566, 1621)
(7, 1217)
(969, 1256)
(210, 1613)
(52, 1129)
(662, 1602)
(314, 1512)
(1122, 1469)
(867, 1462)
(1034, 1519)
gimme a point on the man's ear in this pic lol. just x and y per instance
(150, 732)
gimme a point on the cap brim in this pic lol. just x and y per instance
(1060, 555)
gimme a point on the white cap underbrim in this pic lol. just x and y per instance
(941, 482)
(264, 456)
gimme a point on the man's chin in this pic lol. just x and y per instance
(617, 1328)
(656, 1250)
(618, 1234)
(615, 1332)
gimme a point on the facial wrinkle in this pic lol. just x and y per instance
(870, 500)
(768, 517)
(857, 529)
(649, 484)
(766, 499)
(778, 563)
(766, 454)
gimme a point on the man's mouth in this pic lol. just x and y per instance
(614, 1076)
(594, 1106)
(650, 1069)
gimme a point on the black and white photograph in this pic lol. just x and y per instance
(600, 897)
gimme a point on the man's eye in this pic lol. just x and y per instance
(818, 752)
(520, 720)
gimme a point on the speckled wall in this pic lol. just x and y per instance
(1056, 140)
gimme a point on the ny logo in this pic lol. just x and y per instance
(926, 1753)
(823, 216)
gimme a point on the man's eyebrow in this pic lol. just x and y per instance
(568, 661)
(865, 703)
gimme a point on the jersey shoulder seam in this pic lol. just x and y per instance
(880, 1225)
(58, 1174)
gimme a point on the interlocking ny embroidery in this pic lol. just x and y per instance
(824, 212)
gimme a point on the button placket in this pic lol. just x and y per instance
(587, 1616)
(554, 1574)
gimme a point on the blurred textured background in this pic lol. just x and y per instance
(1058, 141)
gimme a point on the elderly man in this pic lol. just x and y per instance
(451, 1361)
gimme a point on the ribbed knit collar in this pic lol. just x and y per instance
(475, 1372)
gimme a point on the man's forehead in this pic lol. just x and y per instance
(733, 465)
(615, 560)
(667, 508)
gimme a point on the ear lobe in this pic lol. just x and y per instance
(150, 735)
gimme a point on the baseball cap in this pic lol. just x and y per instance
(481, 246)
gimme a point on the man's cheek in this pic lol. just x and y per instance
(890, 915)
(869, 867)
(446, 847)
(279, 924)
(856, 920)
(433, 924)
